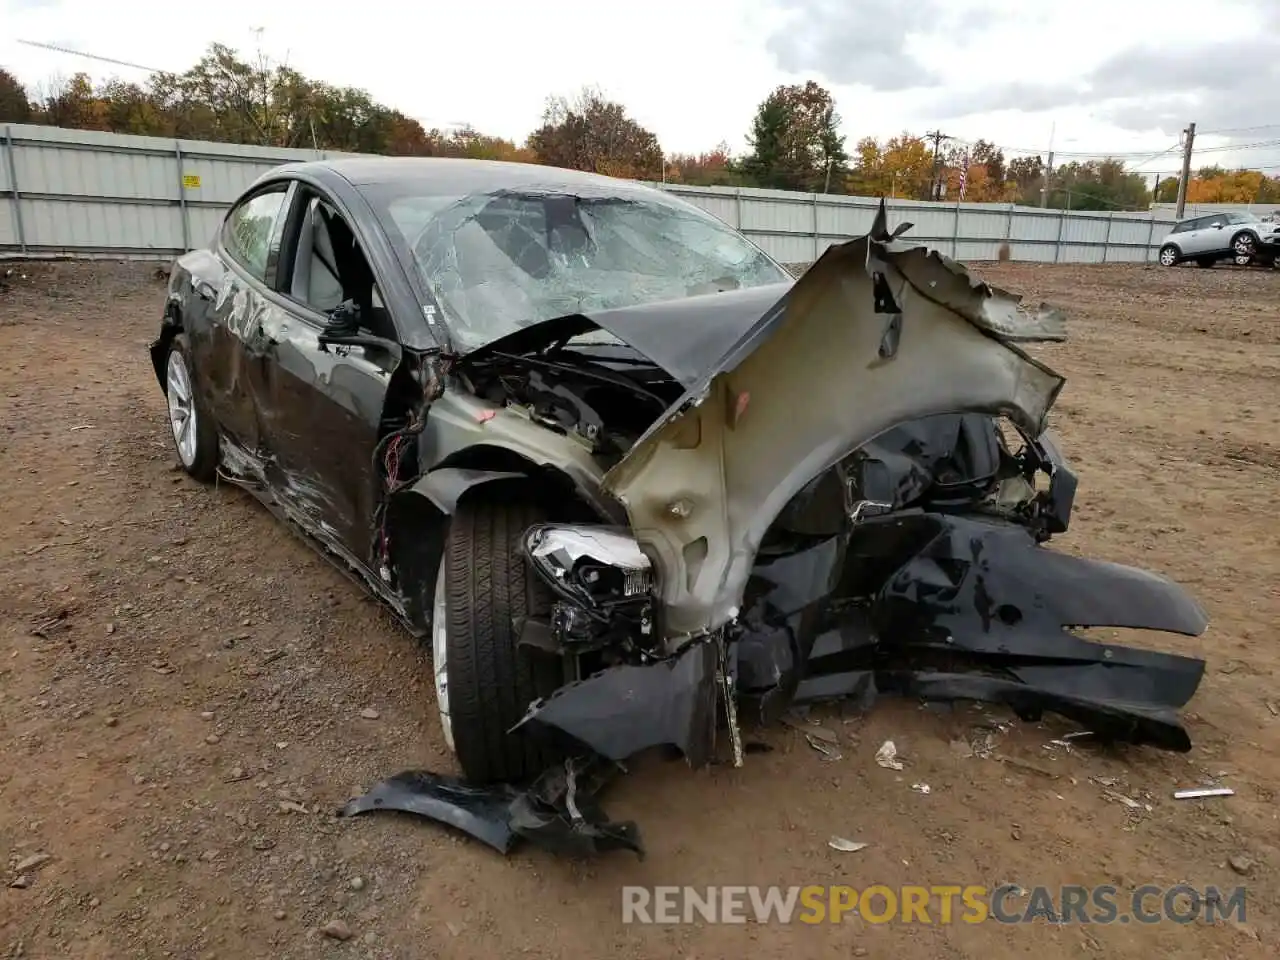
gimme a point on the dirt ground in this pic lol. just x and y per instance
(187, 692)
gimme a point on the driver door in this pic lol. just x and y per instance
(323, 403)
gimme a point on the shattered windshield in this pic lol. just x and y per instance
(498, 261)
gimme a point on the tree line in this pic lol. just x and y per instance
(794, 139)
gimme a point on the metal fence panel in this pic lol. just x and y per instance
(87, 193)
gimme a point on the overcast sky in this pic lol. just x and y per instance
(1100, 76)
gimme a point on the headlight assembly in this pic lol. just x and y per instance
(596, 567)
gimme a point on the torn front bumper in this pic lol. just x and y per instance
(972, 608)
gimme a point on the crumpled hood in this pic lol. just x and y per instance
(684, 337)
(876, 333)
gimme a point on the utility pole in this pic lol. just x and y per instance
(1190, 139)
(1048, 167)
(937, 136)
(1044, 188)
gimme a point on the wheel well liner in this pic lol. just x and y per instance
(170, 327)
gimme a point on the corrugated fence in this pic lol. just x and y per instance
(81, 193)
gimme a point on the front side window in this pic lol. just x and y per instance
(248, 229)
(499, 261)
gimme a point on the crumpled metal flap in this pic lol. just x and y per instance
(874, 334)
(625, 709)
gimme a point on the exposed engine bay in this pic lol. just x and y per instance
(605, 398)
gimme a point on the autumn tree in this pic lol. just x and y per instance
(592, 133)
(1027, 174)
(902, 166)
(467, 142)
(795, 141)
(715, 168)
(15, 107)
(1215, 185)
(73, 103)
(990, 158)
(1098, 185)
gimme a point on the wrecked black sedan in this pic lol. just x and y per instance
(638, 485)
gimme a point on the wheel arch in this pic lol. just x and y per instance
(417, 519)
(1245, 232)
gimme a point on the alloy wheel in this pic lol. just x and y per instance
(182, 408)
(440, 655)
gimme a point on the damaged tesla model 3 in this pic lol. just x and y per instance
(637, 485)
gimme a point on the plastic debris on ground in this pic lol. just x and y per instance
(845, 846)
(825, 747)
(887, 756)
(1196, 793)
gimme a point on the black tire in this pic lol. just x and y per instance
(488, 586)
(203, 466)
(1165, 252)
(1205, 262)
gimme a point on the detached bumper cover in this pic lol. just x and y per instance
(977, 610)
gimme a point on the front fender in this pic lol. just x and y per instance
(446, 486)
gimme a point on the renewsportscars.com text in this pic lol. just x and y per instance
(934, 904)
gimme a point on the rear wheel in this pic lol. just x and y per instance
(194, 438)
(1168, 255)
(484, 681)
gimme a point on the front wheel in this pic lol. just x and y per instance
(194, 438)
(1168, 255)
(484, 681)
(1244, 245)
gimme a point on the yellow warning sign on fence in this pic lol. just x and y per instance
(191, 181)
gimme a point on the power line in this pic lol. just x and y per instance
(1265, 126)
(90, 56)
(1155, 156)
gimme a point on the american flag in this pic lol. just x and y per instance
(964, 175)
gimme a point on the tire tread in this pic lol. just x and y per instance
(488, 586)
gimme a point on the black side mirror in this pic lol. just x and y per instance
(342, 328)
(343, 320)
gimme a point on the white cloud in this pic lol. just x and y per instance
(1111, 76)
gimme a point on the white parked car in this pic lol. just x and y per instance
(1243, 238)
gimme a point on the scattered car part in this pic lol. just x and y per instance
(1197, 793)
(846, 846)
(887, 756)
(559, 811)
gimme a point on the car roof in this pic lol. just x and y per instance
(463, 177)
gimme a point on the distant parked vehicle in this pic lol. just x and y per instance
(1242, 238)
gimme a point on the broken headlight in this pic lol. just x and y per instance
(597, 568)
